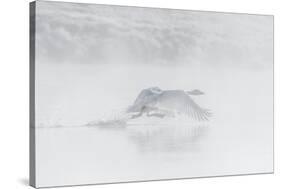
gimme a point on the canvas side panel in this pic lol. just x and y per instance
(32, 172)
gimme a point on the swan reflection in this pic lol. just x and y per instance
(167, 138)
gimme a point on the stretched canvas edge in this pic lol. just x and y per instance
(32, 154)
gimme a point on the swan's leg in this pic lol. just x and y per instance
(156, 115)
(142, 111)
(137, 115)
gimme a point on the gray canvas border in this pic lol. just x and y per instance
(32, 143)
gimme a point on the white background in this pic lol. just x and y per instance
(14, 93)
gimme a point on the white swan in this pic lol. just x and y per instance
(162, 103)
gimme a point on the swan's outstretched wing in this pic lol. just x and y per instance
(195, 111)
(181, 102)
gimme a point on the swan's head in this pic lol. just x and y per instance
(195, 92)
(155, 90)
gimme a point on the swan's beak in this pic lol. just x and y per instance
(195, 92)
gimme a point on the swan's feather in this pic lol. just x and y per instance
(181, 102)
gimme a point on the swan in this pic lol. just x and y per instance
(160, 103)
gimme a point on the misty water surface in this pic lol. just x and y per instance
(236, 140)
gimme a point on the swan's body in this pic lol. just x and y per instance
(163, 103)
